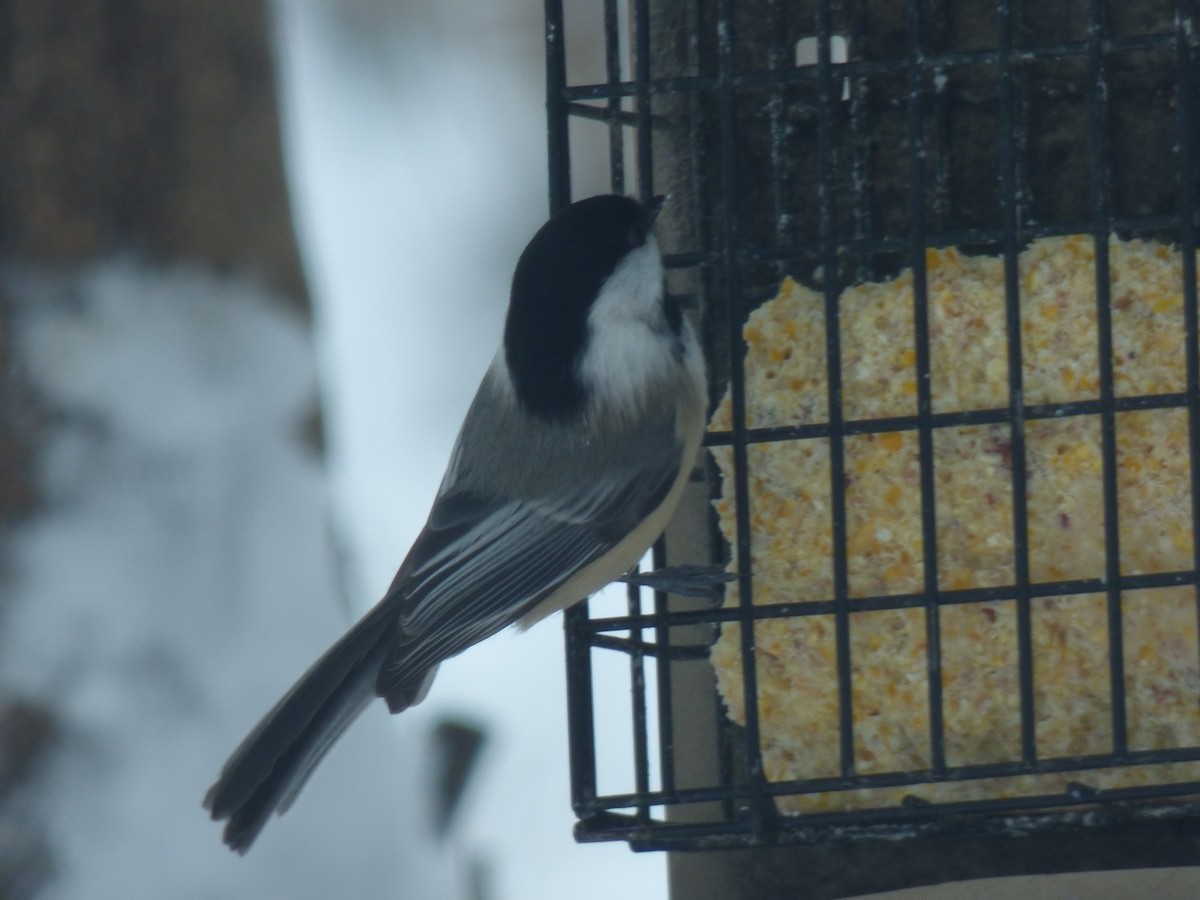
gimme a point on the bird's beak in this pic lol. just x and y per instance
(654, 207)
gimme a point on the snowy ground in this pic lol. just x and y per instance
(180, 576)
(183, 574)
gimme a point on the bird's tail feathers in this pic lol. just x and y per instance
(271, 765)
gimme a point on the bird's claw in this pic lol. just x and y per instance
(687, 581)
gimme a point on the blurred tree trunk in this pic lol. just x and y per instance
(130, 126)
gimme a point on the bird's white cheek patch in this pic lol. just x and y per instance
(628, 347)
(623, 362)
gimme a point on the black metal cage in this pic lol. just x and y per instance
(835, 142)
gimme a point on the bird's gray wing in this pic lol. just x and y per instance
(482, 562)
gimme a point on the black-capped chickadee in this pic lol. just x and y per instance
(568, 465)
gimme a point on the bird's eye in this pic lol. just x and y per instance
(637, 235)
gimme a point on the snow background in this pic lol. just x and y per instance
(184, 572)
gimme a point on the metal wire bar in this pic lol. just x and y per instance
(612, 67)
(1077, 794)
(833, 368)
(780, 165)
(690, 84)
(1016, 394)
(978, 238)
(1101, 227)
(665, 651)
(752, 749)
(581, 718)
(642, 57)
(999, 818)
(558, 140)
(916, 210)
(946, 597)
(637, 680)
(1185, 79)
(1173, 400)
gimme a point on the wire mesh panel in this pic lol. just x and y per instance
(944, 258)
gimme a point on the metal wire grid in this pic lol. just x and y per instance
(736, 256)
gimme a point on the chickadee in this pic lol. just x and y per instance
(569, 463)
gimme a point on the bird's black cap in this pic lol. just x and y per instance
(558, 276)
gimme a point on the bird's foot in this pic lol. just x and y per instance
(687, 581)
